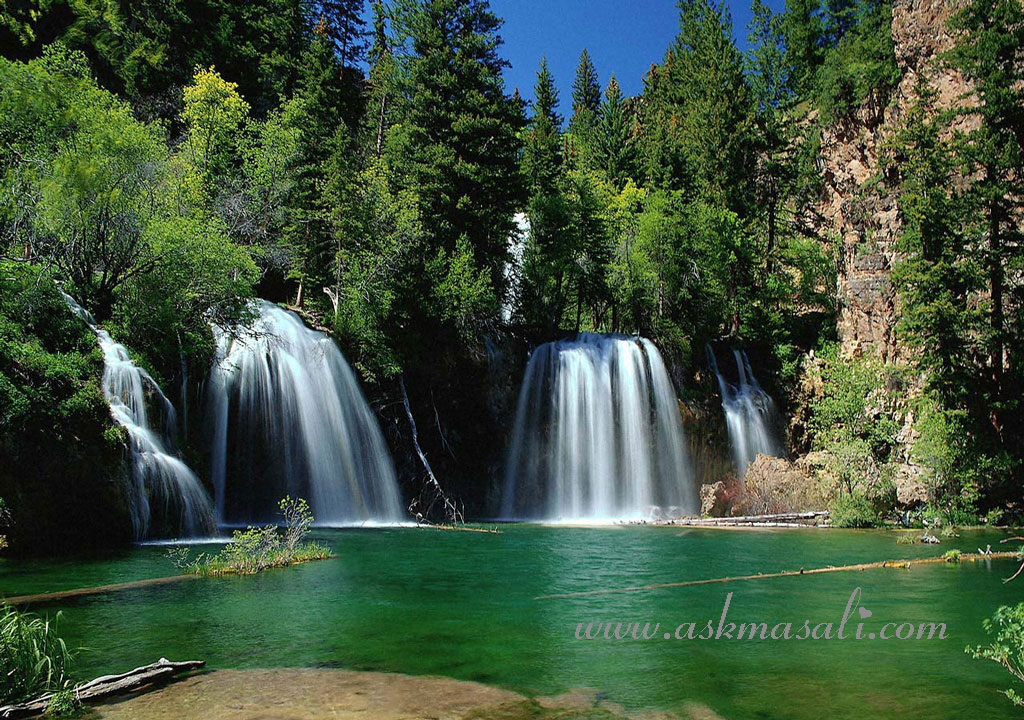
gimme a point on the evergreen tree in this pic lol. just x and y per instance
(613, 141)
(542, 156)
(804, 40)
(461, 150)
(549, 244)
(697, 109)
(990, 54)
(315, 114)
(586, 89)
(345, 26)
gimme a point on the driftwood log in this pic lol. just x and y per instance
(793, 519)
(892, 564)
(107, 686)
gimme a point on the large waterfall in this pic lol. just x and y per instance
(287, 416)
(165, 497)
(750, 413)
(597, 435)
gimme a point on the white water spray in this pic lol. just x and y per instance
(598, 435)
(163, 491)
(287, 416)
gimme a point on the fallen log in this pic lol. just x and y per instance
(107, 686)
(95, 590)
(895, 564)
(773, 520)
(461, 528)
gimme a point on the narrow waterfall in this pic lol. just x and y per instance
(597, 435)
(286, 416)
(750, 414)
(165, 497)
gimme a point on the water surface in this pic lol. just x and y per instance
(464, 605)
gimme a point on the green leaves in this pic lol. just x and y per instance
(1006, 647)
(33, 657)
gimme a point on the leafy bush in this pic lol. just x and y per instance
(1007, 644)
(952, 556)
(33, 658)
(256, 549)
(63, 704)
(853, 511)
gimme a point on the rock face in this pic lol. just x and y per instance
(858, 211)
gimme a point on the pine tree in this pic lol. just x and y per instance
(549, 246)
(769, 82)
(345, 26)
(804, 39)
(462, 147)
(614, 151)
(990, 54)
(542, 156)
(586, 100)
(586, 89)
(315, 112)
(697, 110)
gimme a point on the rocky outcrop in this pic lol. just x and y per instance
(714, 499)
(775, 485)
(856, 208)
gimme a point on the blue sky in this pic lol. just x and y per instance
(622, 36)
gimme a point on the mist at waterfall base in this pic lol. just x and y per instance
(165, 498)
(597, 435)
(750, 414)
(285, 416)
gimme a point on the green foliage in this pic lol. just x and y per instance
(853, 511)
(33, 657)
(61, 450)
(1006, 647)
(256, 549)
(861, 67)
(63, 704)
(952, 556)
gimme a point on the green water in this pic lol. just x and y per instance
(463, 605)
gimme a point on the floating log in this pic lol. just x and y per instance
(108, 686)
(461, 528)
(96, 590)
(897, 564)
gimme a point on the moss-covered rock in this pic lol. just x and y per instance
(63, 457)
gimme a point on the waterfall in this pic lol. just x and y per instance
(286, 416)
(164, 495)
(597, 435)
(750, 413)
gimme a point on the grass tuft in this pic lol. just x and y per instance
(33, 658)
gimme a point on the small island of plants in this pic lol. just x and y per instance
(256, 549)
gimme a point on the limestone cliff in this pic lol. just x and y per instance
(857, 208)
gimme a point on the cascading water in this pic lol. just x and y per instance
(164, 494)
(597, 435)
(750, 413)
(287, 416)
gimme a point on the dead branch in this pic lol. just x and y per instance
(452, 512)
(108, 686)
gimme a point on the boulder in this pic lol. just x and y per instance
(911, 488)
